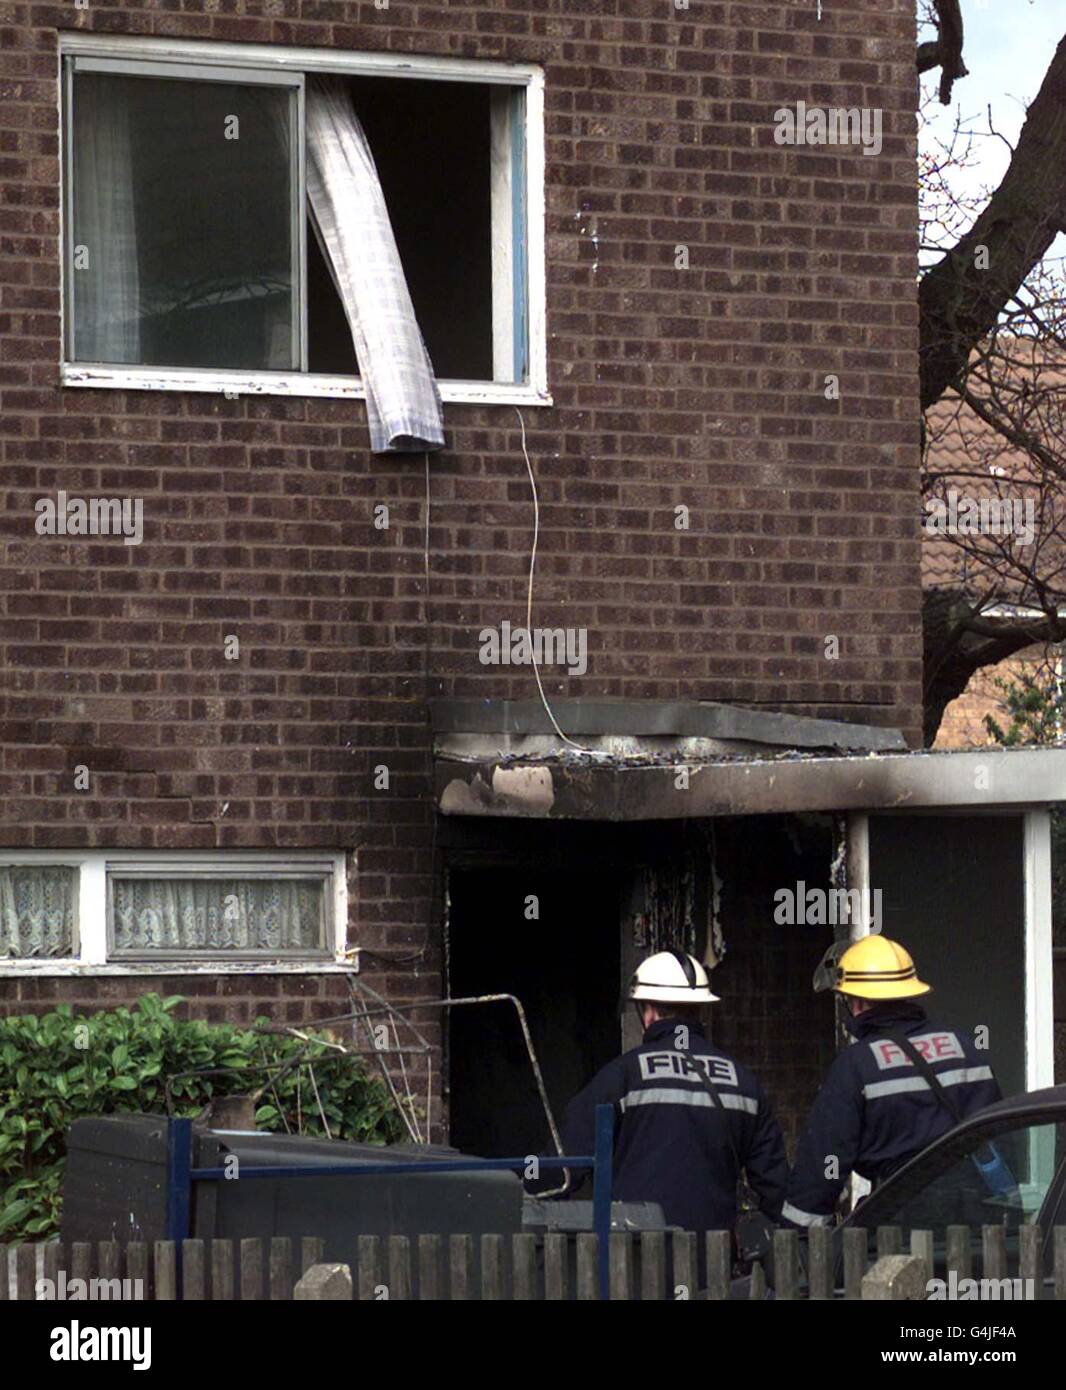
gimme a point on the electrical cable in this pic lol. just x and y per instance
(529, 594)
(414, 957)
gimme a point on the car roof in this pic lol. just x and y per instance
(1047, 1104)
(1025, 1102)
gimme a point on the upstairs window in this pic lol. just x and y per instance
(185, 250)
(194, 256)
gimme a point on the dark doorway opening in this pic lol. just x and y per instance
(564, 966)
(430, 142)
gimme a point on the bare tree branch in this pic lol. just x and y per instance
(945, 51)
(962, 296)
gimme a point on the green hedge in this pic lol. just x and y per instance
(59, 1066)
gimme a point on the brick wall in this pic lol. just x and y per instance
(239, 999)
(963, 724)
(703, 387)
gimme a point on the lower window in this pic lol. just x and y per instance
(104, 908)
(150, 916)
(38, 911)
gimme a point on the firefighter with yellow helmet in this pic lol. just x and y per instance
(906, 1081)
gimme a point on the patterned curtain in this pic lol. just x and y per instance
(220, 915)
(37, 909)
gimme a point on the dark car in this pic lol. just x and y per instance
(1004, 1166)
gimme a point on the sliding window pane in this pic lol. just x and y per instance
(181, 249)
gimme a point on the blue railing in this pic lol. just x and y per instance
(181, 1175)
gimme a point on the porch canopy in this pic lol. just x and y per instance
(643, 760)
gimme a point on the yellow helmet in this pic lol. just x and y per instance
(876, 968)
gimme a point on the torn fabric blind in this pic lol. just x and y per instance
(352, 224)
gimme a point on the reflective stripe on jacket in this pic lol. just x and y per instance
(875, 1110)
(670, 1145)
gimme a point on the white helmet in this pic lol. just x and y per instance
(672, 977)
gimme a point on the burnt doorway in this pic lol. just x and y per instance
(564, 965)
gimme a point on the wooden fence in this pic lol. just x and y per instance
(653, 1266)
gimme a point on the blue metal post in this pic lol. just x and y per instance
(602, 1175)
(179, 1181)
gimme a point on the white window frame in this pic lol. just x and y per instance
(266, 59)
(92, 930)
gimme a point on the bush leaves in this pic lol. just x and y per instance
(48, 1080)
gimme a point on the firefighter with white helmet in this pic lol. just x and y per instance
(687, 1115)
(905, 1082)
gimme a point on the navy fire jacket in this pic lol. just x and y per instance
(670, 1143)
(875, 1110)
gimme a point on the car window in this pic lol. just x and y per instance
(997, 1181)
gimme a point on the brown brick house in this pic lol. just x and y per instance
(228, 744)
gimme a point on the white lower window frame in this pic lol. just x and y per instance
(91, 929)
(234, 384)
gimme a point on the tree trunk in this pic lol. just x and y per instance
(959, 300)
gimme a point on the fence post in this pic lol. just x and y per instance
(556, 1272)
(786, 1264)
(251, 1253)
(922, 1247)
(587, 1280)
(958, 1251)
(524, 1267)
(368, 1269)
(222, 1286)
(821, 1263)
(398, 1258)
(994, 1252)
(621, 1250)
(429, 1267)
(602, 1175)
(653, 1266)
(193, 1269)
(460, 1258)
(281, 1280)
(492, 1269)
(855, 1248)
(684, 1266)
(889, 1241)
(1030, 1258)
(719, 1248)
(179, 1189)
